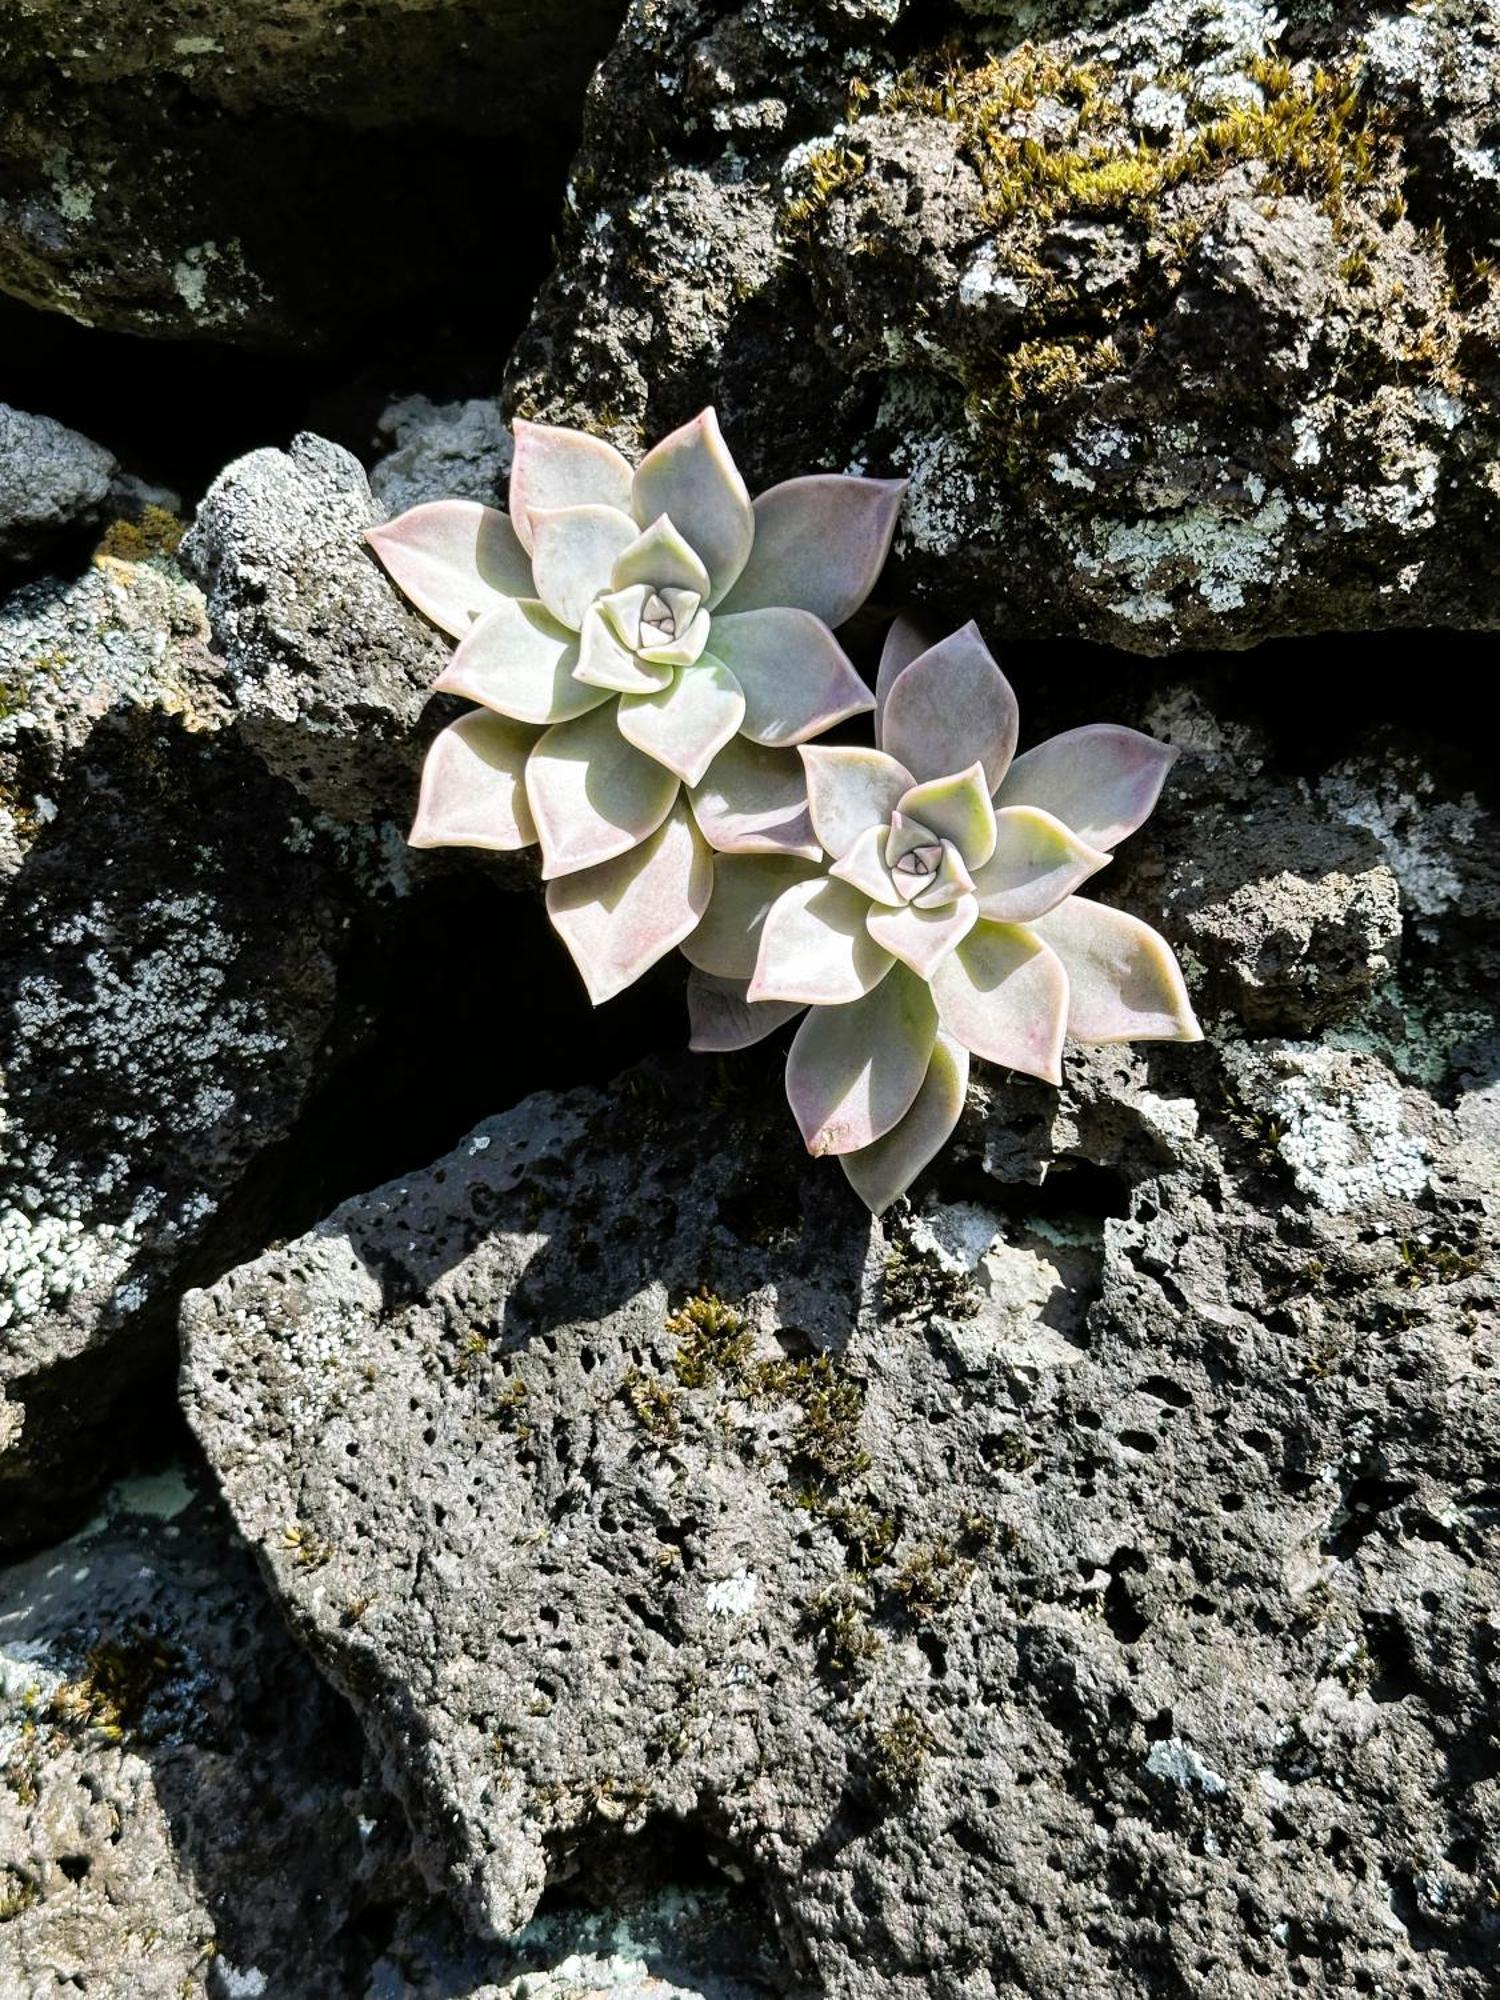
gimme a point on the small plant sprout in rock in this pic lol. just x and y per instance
(630, 633)
(942, 921)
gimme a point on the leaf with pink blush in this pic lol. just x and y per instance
(573, 556)
(604, 663)
(474, 786)
(952, 707)
(798, 680)
(820, 543)
(854, 1072)
(850, 789)
(754, 801)
(955, 808)
(555, 467)
(1004, 995)
(592, 794)
(882, 1172)
(661, 556)
(619, 918)
(1125, 984)
(922, 939)
(727, 942)
(691, 476)
(686, 725)
(1102, 780)
(905, 640)
(722, 1019)
(454, 560)
(814, 947)
(1037, 862)
(864, 868)
(519, 661)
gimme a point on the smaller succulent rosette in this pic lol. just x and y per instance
(942, 921)
(648, 647)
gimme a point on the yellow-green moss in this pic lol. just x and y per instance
(155, 532)
(17, 1894)
(109, 1697)
(818, 178)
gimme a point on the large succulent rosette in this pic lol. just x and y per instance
(941, 920)
(647, 649)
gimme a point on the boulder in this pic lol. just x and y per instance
(51, 479)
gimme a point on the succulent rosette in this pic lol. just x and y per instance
(647, 648)
(942, 920)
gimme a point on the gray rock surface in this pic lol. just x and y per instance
(256, 171)
(1081, 1586)
(1180, 316)
(50, 478)
(440, 451)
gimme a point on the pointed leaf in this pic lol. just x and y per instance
(1004, 995)
(798, 680)
(864, 868)
(604, 663)
(957, 809)
(848, 790)
(1125, 984)
(1102, 780)
(721, 1018)
(619, 918)
(474, 786)
(555, 467)
(880, 1173)
(454, 559)
(754, 801)
(727, 941)
(519, 661)
(814, 946)
(853, 1072)
(905, 640)
(688, 724)
(573, 556)
(950, 708)
(593, 795)
(1037, 861)
(922, 939)
(661, 557)
(691, 476)
(820, 543)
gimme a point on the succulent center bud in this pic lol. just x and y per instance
(665, 616)
(923, 862)
(926, 869)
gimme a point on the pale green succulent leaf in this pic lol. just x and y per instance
(903, 642)
(922, 939)
(1037, 862)
(619, 918)
(556, 467)
(1102, 780)
(949, 708)
(955, 808)
(573, 555)
(722, 1019)
(474, 785)
(814, 946)
(745, 886)
(1004, 995)
(1125, 984)
(659, 556)
(592, 794)
(686, 647)
(798, 680)
(686, 725)
(603, 662)
(691, 476)
(520, 662)
(951, 883)
(882, 1172)
(848, 790)
(754, 801)
(454, 559)
(864, 868)
(854, 1071)
(820, 543)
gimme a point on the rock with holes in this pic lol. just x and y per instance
(1087, 1570)
(1007, 254)
(441, 451)
(51, 479)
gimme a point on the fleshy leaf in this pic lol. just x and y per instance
(519, 661)
(957, 809)
(798, 680)
(951, 882)
(454, 559)
(880, 1173)
(814, 946)
(848, 790)
(619, 918)
(905, 640)
(1125, 984)
(686, 725)
(863, 866)
(555, 467)
(854, 1072)
(820, 543)
(573, 556)
(593, 795)
(474, 786)
(922, 939)
(660, 556)
(721, 1018)
(1037, 861)
(727, 941)
(1102, 780)
(691, 476)
(754, 801)
(1004, 995)
(604, 663)
(682, 649)
(950, 708)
